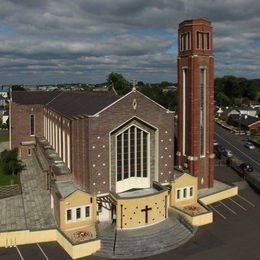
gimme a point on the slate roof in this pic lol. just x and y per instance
(65, 188)
(244, 120)
(73, 104)
(67, 103)
(33, 97)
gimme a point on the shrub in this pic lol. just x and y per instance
(9, 162)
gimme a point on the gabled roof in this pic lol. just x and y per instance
(66, 188)
(68, 103)
(245, 120)
(73, 104)
(33, 97)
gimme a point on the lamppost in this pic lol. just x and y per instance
(239, 126)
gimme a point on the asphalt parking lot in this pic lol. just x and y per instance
(42, 251)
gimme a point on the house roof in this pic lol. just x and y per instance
(66, 188)
(245, 120)
(68, 103)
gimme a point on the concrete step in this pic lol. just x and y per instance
(145, 242)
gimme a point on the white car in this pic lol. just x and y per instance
(227, 153)
(215, 143)
(249, 145)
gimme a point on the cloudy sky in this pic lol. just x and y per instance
(58, 41)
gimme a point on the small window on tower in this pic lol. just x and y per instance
(208, 41)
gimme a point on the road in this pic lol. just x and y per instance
(236, 144)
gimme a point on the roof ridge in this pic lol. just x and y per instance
(55, 98)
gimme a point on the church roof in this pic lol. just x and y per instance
(67, 103)
(33, 97)
(73, 104)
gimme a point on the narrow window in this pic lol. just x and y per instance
(198, 40)
(78, 213)
(188, 43)
(178, 194)
(184, 193)
(32, 125)
(185, 112)
(29, 152)
(99, 207)
(208, 41)
(191, 191)
(69, 214)
(87, 211)
(202, 111)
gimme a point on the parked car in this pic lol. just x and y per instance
(215, 143)
(249, 145)
(246, 167)
(227, 153)
(253, 180)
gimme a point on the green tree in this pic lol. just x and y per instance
(9, 162)
(119, 83)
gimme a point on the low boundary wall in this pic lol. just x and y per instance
(22, 237)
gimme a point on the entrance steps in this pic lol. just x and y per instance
(152, 240)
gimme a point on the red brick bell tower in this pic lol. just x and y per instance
(196, 100)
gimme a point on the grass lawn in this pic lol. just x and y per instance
(4, 136)
(7, 179)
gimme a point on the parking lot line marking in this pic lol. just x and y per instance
(250, 203)
(217, 211)
(227, 207)
(19, 252)
(238, 150)
(42, 251)
(238, 204)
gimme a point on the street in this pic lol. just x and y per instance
(236, 143)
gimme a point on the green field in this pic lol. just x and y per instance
(7, 179)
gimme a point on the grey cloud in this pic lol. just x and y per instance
(86, 39)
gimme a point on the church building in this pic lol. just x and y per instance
(109, 157)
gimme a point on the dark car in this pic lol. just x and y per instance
(246, 167)
(253, 180)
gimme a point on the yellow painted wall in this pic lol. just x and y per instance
(199, 220)
(77, 199)
(185, 180)
(133, 217)
(220, 196)
(80, 250)
(9, 239)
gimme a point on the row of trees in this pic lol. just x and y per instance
(229, 90)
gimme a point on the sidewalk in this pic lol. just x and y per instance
(31, 210)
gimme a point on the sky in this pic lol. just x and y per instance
(65, 41)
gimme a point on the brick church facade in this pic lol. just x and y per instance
(107, 157)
